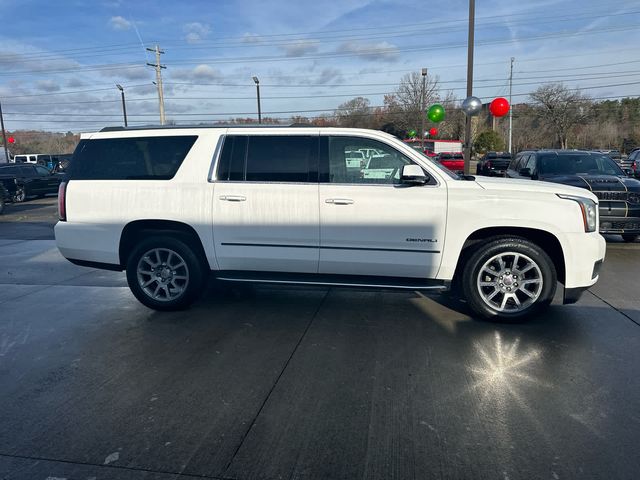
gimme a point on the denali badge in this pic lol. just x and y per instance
(423, 240)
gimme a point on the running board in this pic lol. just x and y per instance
(396, 283)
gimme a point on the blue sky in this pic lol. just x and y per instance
(60, 61)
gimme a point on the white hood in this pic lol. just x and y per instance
(512, 184)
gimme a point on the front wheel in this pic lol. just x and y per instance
(20, 195)
(509, 279)
(164, 273)
(630, 237)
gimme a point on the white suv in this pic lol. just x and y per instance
(284, 205)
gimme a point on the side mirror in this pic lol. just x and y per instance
(525, 172)
(413, 175)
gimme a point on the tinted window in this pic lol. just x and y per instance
(281, 158)
(531, 163)
(9, 171)
(43, 171)
(139, 158)
(26, 170)
(233, 158)
(570, 164)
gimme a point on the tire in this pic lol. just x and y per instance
(1, 201)
(148, 273)
(630, 237)
(20, 195)
(486, 291)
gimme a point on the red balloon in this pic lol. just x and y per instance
(11, 140)
(433, 132)
(499, 107)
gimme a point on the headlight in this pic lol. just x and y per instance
(589, 211)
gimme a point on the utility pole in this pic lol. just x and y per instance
(124, 105)
(257, 82)
(510, 104)
(4, 136)
(467, 125)
(423, 107)
(158, 66)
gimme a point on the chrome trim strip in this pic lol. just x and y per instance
(233, 244)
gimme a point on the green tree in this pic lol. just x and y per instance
(488, 141)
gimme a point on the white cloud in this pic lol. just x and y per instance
(200, 73)
(300, 48)
(47, 86)
(196, 32)
(383, 51)
(251, 38)
(120, 23)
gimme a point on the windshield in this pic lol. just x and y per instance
(576, 164)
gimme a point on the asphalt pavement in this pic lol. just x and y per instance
(262, 382)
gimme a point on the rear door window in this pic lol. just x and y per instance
(269, 158)
(137, 158)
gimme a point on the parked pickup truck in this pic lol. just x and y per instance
(454, 161)
(282, 205)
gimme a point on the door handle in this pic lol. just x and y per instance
(339, 201)
(233, 198)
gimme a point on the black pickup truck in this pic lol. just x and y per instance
(29, 180)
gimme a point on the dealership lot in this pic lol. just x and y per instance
(264, 382)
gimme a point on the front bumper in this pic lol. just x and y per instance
(619, 224)
(583, 255)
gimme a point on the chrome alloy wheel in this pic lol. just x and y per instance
(162, 274)
(510, 282)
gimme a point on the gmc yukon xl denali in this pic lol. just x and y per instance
(284, 205)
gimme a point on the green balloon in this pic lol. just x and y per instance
(412, 133)
(436, 113)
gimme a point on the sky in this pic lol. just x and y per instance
(60, 61)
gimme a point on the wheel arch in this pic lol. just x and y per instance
(545, 240)
(138, 229)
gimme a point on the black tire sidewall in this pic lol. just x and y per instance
(492, 248)
(630, 237)
(17, 198)
(195, 269)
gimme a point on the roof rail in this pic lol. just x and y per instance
(208, 125)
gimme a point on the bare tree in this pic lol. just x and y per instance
(561, 109)
(354, 113)
(408, 99)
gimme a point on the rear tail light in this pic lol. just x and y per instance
(634, 166)
(62, 202)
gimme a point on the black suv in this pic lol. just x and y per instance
(619, 195)
(493, 164)
(30, 180)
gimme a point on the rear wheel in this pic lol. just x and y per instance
(164, 273)
(630, 237)
(509, 279)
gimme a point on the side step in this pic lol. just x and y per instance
(332, 280)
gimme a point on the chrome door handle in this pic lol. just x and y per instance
(339, 201)
(233, 198)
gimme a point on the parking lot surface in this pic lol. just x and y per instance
(261, 382)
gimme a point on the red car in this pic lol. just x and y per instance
(454, 161)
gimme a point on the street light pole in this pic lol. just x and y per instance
(4, 136)
(257, 82)
(510, 105)
(423, 107)
(124, 105)
(467, 125)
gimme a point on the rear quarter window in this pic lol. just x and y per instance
(136, 158)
